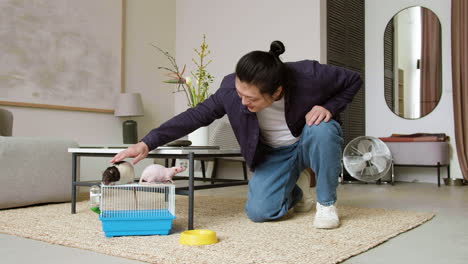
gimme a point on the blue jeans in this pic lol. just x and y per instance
(273, 190)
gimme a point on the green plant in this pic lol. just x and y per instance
(195, 92)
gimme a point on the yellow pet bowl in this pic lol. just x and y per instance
(198, 237)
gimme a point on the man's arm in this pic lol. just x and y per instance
(346, 83)
(201, 115)
(182, 124)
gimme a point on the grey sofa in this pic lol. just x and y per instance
(32, 170)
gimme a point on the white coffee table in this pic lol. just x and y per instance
(190, 153)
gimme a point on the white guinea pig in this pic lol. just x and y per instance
(159, 173)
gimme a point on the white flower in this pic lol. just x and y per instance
(188, 81)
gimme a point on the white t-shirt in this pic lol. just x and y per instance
(274, 131)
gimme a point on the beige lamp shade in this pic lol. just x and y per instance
(128, 104)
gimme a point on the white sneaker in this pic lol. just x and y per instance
(326, 217)
(307, 202)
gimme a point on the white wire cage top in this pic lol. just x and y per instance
(137, 201)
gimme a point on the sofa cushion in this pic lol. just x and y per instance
(34, 170)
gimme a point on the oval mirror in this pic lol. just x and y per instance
(413, 62)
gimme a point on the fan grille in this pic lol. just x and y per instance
(367, 158)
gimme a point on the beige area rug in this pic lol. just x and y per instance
(292, 240)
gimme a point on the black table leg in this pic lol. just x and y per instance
(191, 189)
(244, 169)
(203, 169)
(215, 170)
(438, 174)
(73, 194)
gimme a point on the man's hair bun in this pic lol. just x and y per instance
(277, 48)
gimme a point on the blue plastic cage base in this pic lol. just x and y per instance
(136, 222)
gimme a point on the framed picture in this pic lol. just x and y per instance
(62, 54)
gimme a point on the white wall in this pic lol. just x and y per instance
(380, 121)
(147, 21)
(150, 22)
(234, 28)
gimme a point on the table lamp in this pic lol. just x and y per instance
(127, 105)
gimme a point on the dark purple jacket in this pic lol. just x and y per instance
(315, 84)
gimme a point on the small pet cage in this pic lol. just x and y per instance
(133, 209)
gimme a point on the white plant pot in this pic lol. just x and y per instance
(199, 137)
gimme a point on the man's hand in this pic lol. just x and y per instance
(139, 151)
(317, 115)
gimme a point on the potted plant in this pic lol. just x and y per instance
(196, 90)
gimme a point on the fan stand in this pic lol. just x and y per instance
(379, 181)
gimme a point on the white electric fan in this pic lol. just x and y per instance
(367, 159)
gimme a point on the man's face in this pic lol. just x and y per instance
(252, 98)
